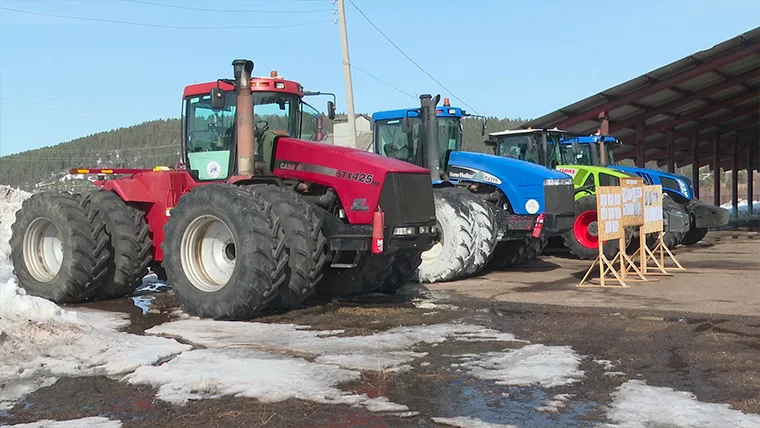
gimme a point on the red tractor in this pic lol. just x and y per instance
(251, 219)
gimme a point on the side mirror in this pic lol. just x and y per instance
(483, 128)
(217, 98)
(490, 142)
(331, 110)
(406, 125)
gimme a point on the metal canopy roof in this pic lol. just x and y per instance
(712, 94)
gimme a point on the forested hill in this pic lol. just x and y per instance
(145, 145)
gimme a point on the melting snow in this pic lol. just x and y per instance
(469, 422)
(547, 366)
(10, 202)
(638, 405)
(274, 362)
(93, 422)
(557, 402)
(42, 342)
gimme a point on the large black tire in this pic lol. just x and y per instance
(130, 243)
(244, 244)
(78, 247)
(517, 252)
(305, 244)
(403, 270)
(672, 239)
(457, 248)
(483, 215)
(536, 246)
(581, 240)
(369, 276)
(694, 235)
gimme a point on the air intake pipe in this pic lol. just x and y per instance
(244, 116)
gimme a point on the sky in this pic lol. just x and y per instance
(62, 78)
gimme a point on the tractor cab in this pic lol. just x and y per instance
(209, 116)
(587, 150)
(396, 133)
(538, 146)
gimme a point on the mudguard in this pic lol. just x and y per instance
(707, 215)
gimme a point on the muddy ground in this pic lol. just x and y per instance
(697, 331)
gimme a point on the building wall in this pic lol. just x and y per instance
(340, 130)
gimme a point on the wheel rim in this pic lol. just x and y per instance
(207, 253)
(43, 249)
(434, 252)
(585, 230)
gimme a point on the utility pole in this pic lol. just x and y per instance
(347, 74)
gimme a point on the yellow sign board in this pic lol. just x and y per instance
(633, 196)
(609, 208)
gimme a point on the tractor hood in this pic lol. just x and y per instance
(386, 163)
(671, 183)
(520, 173)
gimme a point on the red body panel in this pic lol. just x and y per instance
(156, 192)
(353, 173)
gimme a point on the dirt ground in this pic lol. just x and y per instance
(697, 331)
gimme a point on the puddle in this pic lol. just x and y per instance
(518, 406)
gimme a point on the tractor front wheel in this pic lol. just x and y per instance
(582, 240)
(694, 235)
(369, 276)
(59, 249)
(224, 252)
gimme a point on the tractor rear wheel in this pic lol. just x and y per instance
(457, 230)
(403, 270)
(129, 243)
(582, 240)
(305, 244)
(369, 276)
(59, 249)
(224, 252)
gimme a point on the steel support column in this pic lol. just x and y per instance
(695, 163)
(716, 171)
(671, 153)
(750, 166)
(640, 152)
(735, 176)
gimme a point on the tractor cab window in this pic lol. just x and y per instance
(276, 111)
(583, 157)
(610, 155)
(309, 123)
(393, 142)
(449, 137)
(553, 149)
(525, 147)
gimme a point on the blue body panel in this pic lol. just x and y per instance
(401, 113)
(520, 181)
(652, 176)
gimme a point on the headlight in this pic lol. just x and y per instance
(401, 231)
(558, 182)
(683, 187)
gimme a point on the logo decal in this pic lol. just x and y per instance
(359, 204)
(531, 206)
(213, 169)
(569, 171)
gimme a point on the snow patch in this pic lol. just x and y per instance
(557, 402)
(547, 366)
(742, 209)
(638, 405)
(469, 422)
(10, 202)
(607, 364)
(42, 342)
(92, 422)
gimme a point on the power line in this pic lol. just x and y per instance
(409, 58)
(173, 27)
(201, 9)
(382, 81)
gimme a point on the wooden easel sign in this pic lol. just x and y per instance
(652, 208)
(633, 215)
(609, 208)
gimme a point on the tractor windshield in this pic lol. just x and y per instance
(525, 147)
(449, 134)
(393, 142)
(588, 154)
(209, 132)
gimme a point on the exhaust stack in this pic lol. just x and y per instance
(244, 116)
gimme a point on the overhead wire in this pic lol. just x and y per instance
(450, 93)
(203, 9)
(381, 81)
(173, 27)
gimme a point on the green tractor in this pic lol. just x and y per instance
(552, 149)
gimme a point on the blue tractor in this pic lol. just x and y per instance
(490, 209)
(679, 188)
